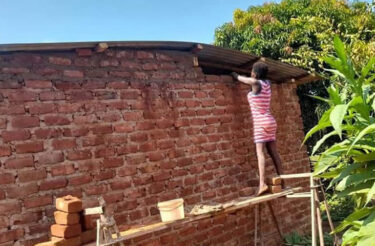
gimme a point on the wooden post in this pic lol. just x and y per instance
(274, 219)
(319, 218)
(336, 239)
(313, 225)
(256, 224)
(260, 225)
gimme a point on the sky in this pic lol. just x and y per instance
(38, 21)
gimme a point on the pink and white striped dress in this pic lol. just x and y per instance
(263, 122)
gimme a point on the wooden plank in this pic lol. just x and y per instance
(295, 175)
(300, 195)
(125, 235)
(96, 210)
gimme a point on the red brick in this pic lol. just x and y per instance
(22, 96)
(66, 231)
(64, 218)
(69, 204)
(275, 188)
(89, 221)
(96, 189)
(46, 133)
(12, 110)
(113, 162)
(59, 60)
(5, 150)
(3, 123)
(155, 156)
(79, 155)
(75, 132)
(16, 191)
(52, 120)
(52, 184)
(73, 73)
(6, 178)
(79, 180)
(16, 70)
(31, 175)
(29, 147)
(51, 96)
(50, 158)
(104, 129)
(84, 52)
(81, 96)
(38, 201)
(127, 171)
(2, 195)
(130, 94)
(38, 84)
(11, 235)
(10, 207)
(104, 152)
(64, 144)
(42, 108)
(64, 169)
(18, 163)
(120, 184)
(26, 218)
(25, 121)
(103, 175)
(144, 55)
(88, 236)
(113, 197)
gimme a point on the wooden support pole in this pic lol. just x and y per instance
(275, 220)
(313, 224)
(336, 239)
(256, 225)
(318, 218)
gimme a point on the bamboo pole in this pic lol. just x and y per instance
(313, 224)
(319, 218)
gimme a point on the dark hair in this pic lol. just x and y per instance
(260, 69)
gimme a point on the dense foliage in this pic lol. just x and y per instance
(349, 163)
(300, 32)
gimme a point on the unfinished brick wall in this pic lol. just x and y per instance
(136, 127)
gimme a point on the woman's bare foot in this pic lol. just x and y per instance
(262, 190)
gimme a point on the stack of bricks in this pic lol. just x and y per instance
(67, 230)
(274, 184)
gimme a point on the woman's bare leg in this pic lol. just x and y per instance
(260, 148)
(272, 151)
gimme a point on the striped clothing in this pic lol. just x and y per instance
(263, 121)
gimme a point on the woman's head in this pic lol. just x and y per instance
(259, 71)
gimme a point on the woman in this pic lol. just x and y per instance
(263, 122)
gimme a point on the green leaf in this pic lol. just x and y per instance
(340, 49)
(357, 189)
(365, 157)
(345, 172)
(323, 123)
(350, 237)
(336, 117)
(370, 194)
(356, 215)
(355, 179)
(364, 132)
(322, 140)
(334, 95)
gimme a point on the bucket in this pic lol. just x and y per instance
(172, 210)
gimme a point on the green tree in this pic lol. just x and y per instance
(301, 32)
(350, 162)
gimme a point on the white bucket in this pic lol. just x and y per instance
(172, 210)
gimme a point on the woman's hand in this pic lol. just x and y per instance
(234, 75)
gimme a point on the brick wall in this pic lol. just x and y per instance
(135, 127)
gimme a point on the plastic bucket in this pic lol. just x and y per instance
(172, 210)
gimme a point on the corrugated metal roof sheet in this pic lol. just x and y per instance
(207, 54)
